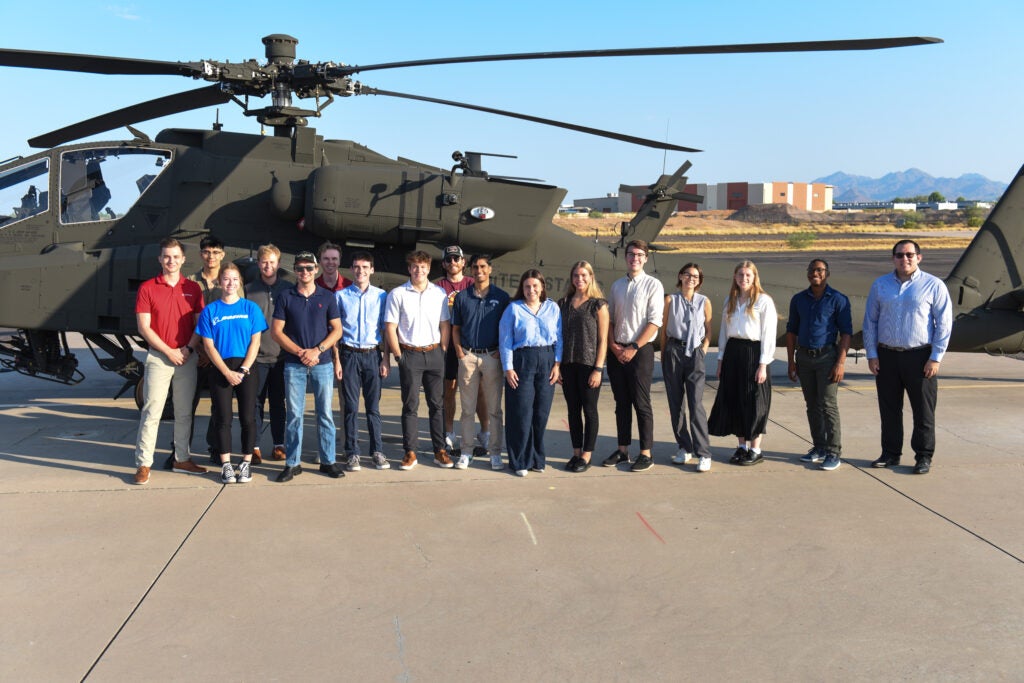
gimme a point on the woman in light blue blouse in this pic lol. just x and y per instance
(530, 341)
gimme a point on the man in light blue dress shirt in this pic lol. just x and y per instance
(359, 362)
(907, 323)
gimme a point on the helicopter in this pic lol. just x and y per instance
(80, 223)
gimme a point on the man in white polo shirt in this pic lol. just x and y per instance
(416, 322)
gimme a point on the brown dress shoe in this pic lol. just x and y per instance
(188, 467)
(257, 459)
(409, 461)
(278, 453)
(142, 475)
(441, 459)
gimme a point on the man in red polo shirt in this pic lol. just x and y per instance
(166, 310)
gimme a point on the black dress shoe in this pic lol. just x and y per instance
(615, 458)
(334, 470)
(737, 456)
(572, 463)
(580, 466)
(752, 458)
(289, 473)
(923, 466)
(886, 461)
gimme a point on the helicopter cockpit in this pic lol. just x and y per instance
(24, 191)
(104, 183)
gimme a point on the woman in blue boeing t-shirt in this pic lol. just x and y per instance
(230, 328)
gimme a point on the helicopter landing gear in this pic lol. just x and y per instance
(40, 353)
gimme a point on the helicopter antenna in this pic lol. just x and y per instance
(664, 152)
(217, 125)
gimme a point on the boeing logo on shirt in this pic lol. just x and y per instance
(241, 316)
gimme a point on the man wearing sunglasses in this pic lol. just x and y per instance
(907, 322)
(307, 325)
(817, 316)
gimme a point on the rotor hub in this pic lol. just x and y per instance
(280, 48)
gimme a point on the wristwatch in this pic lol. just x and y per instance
(320, 348)
(633, 346)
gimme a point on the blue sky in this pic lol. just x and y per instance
(946, 109)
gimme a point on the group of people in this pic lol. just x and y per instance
(266, 342)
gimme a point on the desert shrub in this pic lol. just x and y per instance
(596, 214)
(801, 240)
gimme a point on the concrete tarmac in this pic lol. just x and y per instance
(775, 572)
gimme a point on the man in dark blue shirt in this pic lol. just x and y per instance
(307, 325)
(817, 315)
(475, 317)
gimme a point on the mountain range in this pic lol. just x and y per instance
(910, 183)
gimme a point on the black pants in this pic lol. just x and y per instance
(581, 401)
(270, 387)
(220, 396)
(899, 372)
(631, 387)
(416, 369)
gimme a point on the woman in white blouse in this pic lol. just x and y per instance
(746, 345)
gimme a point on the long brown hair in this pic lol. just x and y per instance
(536, 275)
(734, 291)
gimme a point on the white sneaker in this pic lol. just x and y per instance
(496, 463)
(353, 463)
(449, 440)
(380, 462)
(704, 465)
(681, 457)
(521, 473)
(463, 462)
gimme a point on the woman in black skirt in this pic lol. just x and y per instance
(746, 345)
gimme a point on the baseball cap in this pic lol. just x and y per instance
(305, 257)
(454, 251)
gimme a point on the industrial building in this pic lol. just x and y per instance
(733, 196)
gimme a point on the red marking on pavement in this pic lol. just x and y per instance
(650, 528)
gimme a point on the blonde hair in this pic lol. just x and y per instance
(593, 290)
(267, 250)
(734, 291)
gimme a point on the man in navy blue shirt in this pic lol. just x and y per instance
(817, 315)
(307, 325)
(475, 317)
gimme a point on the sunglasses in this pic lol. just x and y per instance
(905, 254)
(450, 259)
(304, 269)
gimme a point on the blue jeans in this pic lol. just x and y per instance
(361, 373)
(321, 378)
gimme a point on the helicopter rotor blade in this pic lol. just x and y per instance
(144, 111)
(741, 48)
(97, 64)
(364, 90)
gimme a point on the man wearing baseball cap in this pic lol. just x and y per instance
(307, 325)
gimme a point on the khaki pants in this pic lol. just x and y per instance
(475, 370)
(161, 375)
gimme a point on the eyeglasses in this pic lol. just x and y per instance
(304, 269)
(635, 254)
(905, 254)
(690, 276)
(212, 252)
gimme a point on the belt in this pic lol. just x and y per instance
(356, 349)
(490, 349)
(901, 349)
(820, 351)
(673, 340)
(419, 349)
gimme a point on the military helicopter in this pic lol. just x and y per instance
(80, 222)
